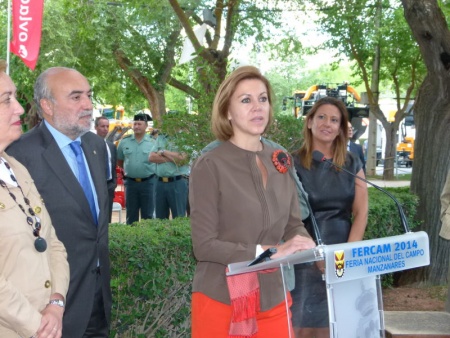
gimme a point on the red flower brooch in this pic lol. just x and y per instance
(281, 160)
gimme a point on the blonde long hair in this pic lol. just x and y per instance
(340, 142)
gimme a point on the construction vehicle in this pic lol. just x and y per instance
(405, 148)
(407, 133)
(118, 123)
(304, 100)
(112, 112)
(405, 152)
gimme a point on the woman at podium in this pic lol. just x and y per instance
(243, 202)
(339, 202)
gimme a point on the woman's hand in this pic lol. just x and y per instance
(51, 322)
(296, 243)
(321, 266)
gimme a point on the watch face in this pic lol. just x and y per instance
(57, 302)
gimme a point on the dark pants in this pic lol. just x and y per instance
(97, 326)
(171, 197)
(139, 196)
(111, 200)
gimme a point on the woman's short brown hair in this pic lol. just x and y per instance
(220, 125)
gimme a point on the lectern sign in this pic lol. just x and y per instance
(376, 256)
(352, 278)
(352, 273)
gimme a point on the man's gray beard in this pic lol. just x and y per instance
(71, 131)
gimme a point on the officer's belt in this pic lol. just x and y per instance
(170, 179)
(139, 179)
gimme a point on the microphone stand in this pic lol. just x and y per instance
(314, 224)
(317, 155)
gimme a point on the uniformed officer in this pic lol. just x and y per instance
(171, 189)
(133, 155)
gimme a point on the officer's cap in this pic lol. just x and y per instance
(142, 117)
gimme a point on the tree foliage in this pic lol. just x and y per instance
(373, 34)
(236, 22)
(128, 49)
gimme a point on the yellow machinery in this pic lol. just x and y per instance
(405, 151)
(118, 123)
(304, 100)
(405, 148)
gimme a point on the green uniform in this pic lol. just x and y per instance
(171, 185)
(135, 156)
(168, 169)
(139, 177)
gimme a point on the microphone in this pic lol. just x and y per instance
(318, 156)
(265, 256)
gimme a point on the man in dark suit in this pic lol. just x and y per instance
(355, 148)
(79, 214)
(101, 125)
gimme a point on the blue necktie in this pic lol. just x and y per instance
(83, 177)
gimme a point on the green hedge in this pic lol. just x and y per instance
(152, 266)
(384, 219)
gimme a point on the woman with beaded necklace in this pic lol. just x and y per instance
(34, 273)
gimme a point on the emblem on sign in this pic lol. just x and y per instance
(339, 262)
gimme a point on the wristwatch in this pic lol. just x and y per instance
(161, 152)
(58, 302)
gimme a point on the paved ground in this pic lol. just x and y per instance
(393, 184)
(115, 216)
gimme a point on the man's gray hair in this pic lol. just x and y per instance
(41, 89)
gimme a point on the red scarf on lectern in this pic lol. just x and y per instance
(244, 295)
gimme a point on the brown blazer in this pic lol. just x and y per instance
(232, 212)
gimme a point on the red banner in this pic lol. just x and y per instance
(27, 24)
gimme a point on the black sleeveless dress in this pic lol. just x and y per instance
(331, 194)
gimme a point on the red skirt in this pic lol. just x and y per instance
(211, 318)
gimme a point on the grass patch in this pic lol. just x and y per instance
(438, 292)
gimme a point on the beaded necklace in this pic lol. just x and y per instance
(40, 243)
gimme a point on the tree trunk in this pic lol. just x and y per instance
(391, 146)
(141, 82)
(371, 158)
(375, 87)
(432, 120)
(212, 62)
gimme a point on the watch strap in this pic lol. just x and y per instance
(58, 302)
